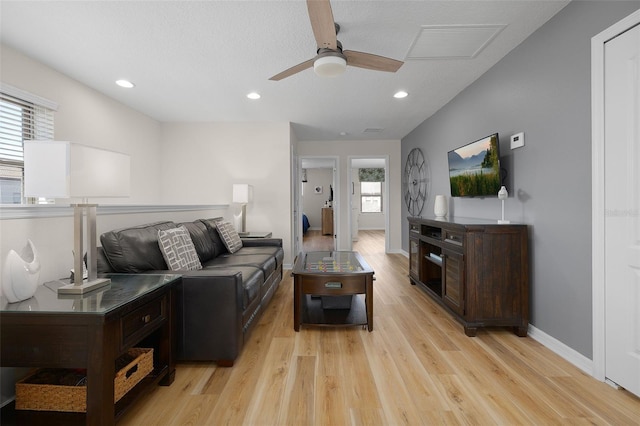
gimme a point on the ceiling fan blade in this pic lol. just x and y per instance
(293, 70)
(371, 61)
(324, 28)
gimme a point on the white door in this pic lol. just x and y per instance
(622, 209)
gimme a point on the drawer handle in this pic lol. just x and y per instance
(131, 370)
(333, 284)
(146, 319)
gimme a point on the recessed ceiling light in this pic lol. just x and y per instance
(253, 95)
(400, 94)
(125, 83)
(343, 133)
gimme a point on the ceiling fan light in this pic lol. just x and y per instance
(329, 66)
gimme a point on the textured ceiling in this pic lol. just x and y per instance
(197, 60)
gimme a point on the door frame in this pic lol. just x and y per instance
(298, 234)
(597, 188)
(385, 199)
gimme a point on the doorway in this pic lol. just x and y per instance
(318, 205)
(616, 203)
(369, 204)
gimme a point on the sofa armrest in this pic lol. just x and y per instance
(261, 242)
(210, 315)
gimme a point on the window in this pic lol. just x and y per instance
(371, 197)
(23, 116)
(371, 189)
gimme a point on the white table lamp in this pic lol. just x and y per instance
(60, 169)
(242, 194)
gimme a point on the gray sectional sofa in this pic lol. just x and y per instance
(218, 305)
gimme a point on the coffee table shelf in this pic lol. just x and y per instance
(314, 314)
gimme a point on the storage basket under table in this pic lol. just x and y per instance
(49, 397)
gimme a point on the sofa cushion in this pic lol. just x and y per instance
(265, 262)
(214, 235)
(135, 249)
(178, 250)
(276, 252)
(201, 241)
(252, 279)
(229, 236)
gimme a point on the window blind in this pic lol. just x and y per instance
(371, 175)
(23, 116)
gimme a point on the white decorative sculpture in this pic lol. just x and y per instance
(21, 273)
(440, 208)
(502, 195)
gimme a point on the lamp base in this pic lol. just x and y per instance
(503, 222)
(85, 287)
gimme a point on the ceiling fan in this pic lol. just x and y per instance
(331, 60)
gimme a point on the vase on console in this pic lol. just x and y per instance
(440, 208)
(21, 273)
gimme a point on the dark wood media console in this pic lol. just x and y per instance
(477, 269)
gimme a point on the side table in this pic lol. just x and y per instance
(91, 331)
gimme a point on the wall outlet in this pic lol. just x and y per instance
(517, 140)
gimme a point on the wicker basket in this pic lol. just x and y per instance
(44, 397)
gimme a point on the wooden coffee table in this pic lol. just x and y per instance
(323, 274)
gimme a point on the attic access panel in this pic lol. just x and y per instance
(452, 41)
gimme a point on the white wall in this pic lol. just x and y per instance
(88, 117)
(203, 160)
(170, 164)
(373, 148)
(313, 203)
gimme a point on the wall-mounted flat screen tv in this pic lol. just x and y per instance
(474, 169)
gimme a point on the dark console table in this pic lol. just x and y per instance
(477, 269)
(91, 331)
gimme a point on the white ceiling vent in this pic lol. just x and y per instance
(452, 41)
(372, 130)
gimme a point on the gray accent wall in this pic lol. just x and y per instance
(541, 88)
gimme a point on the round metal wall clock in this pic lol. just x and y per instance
(416, 182)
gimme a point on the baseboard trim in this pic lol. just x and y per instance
(556, 346)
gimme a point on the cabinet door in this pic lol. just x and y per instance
(453, 287)
(414, 258)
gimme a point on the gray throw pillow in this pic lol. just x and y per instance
(178, 250)
(229, 236)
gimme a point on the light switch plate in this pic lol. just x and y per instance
(517, 140)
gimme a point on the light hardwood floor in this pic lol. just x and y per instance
(417, 367)
(314, 241)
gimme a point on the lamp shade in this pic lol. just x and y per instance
(61, 169)
(329, 66)
(241, 193)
